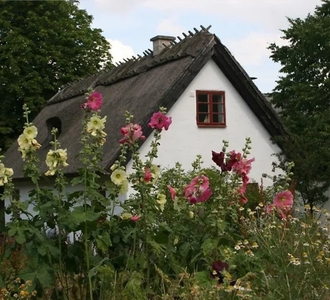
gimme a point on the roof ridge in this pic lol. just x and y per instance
(131, 66)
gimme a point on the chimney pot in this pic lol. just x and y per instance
(160, 42)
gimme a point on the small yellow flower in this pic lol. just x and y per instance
(191, 214)
(161, 200)
(118, 177)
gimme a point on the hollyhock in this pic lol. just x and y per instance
(218, 267)
(160, 121)
(243, 166)
(30, 132)
(147, 175)
(118, 177)
(94, 101)
(198, 190)
(131, 133)
(283, 201)
(5, 173)
(172, 192)
(135, 218)
(219, 159)
(161, 200)
(56, 159)
(96, 125)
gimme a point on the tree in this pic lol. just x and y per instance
(302, 96)
(43, 46)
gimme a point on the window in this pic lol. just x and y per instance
(210, 109)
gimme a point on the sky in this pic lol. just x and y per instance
(245, 27)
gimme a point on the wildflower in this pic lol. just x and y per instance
(94, 101)
(172, 192)
(161, 200)
(5, 173)
(198, 190)
(131, 133)
(135, 218)
(160, 121)
(30, 132)
(118, 176)
(255, 245)
(96, 125)
(249, 253)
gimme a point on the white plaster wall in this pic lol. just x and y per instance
(184, 140)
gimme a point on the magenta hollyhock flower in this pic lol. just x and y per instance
(198, 190)
(219, 159)
(283, 201)
(160, 121)
(218, 267)
(147, 175)
(172, 192)
(131, 133)
(135, 218)
(94, 101)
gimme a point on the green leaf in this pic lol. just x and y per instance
(103, 241)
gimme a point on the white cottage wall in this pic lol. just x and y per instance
(184, 140)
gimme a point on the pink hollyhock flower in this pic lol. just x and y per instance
(160, 121)
(172, 192)
(283, 201)
(243, 166)
(84, 106)
(135, 218)
(94, 101)
(131, 133)
(198, 190)
(147, 175)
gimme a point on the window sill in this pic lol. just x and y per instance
(211, 125)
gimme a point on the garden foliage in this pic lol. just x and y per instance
(205, 233)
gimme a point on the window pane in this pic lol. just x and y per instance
(217, 118)
(217, 98)
(203, 98)
(203, 107)
(217, 107)
(203, 118)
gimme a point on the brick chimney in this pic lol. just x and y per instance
(159, 42)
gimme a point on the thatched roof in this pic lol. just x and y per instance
(141, 85)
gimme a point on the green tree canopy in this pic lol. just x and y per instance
(302, 96)
(43, 46)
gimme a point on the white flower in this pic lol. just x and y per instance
(31, 132)
(4, 174)
(118, 176)
(96, 125)
(161, 200)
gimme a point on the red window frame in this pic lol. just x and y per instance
(205, 114)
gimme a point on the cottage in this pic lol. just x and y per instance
(205, 90)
